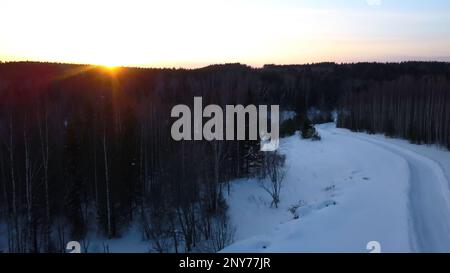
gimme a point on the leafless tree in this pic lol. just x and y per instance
(275, 170)
(44, 140)
(222, 234)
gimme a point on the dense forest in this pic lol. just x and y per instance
(415, 108)
(86, 151)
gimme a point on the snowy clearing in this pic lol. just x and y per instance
(351, 188)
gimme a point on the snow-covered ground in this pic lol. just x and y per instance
(353, 188)
(131, 242)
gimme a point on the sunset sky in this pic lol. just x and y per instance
(180, 33)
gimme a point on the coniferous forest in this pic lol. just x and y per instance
(86, 151)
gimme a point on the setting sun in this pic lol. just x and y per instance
(110, 68)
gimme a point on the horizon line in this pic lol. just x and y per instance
(431, 60)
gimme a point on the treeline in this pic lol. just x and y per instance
(86, 151)
(414, 108)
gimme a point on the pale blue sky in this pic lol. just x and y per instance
(199, 32)
(386, 5)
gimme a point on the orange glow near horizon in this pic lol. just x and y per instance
(110, 68)
(178, 33)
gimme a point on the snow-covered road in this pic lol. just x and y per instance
(353, 188)
(429, 196)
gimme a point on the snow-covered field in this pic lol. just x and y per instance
(352, 188)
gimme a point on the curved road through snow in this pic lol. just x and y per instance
(429, 195)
